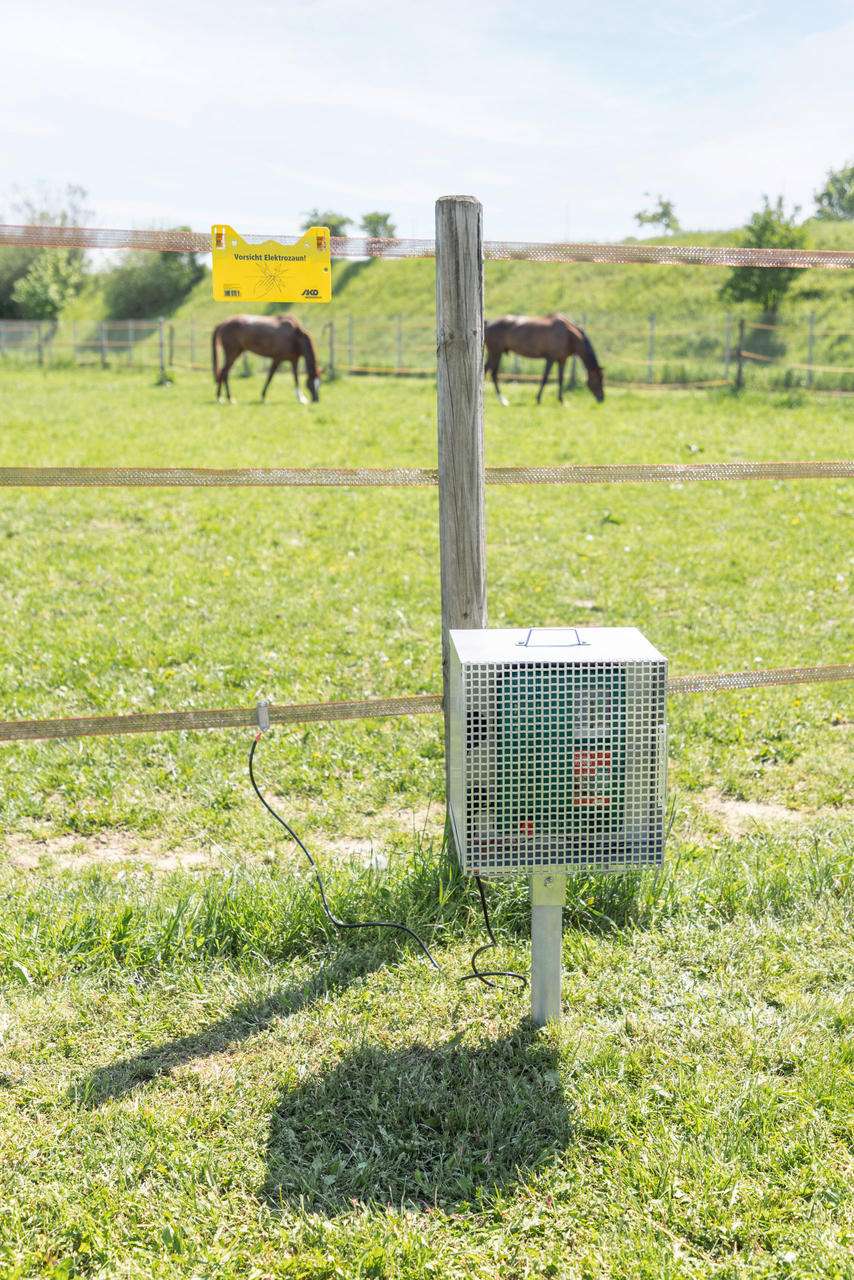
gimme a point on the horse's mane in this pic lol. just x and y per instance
(589, 354)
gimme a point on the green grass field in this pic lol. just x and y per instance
(198, 1077)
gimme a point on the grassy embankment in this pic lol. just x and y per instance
(379, 304)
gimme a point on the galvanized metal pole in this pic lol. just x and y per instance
(548, 892)
(459, 368)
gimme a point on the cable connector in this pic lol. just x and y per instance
(263, 709)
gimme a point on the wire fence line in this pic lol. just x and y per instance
(366, 247)
(633, 349)
(354, 477)
(366, 709)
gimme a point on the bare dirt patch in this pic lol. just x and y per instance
(738, 817)
(76, 853)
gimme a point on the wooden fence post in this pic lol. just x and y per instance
(739, 367)
(459, 368)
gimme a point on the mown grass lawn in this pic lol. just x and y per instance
(197, 1077)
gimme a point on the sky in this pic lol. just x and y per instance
(564, 121)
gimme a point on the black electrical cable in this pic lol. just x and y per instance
(481, 975)
(339, 924)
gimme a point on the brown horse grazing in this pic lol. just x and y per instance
(550, 338)
(279, 337)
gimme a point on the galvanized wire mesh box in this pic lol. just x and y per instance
(558, 749)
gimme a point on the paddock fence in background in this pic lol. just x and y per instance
(722, 351)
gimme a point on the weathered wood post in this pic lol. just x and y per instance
(462, 480)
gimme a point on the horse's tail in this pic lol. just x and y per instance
(215, 354)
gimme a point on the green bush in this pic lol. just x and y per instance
(151, 284)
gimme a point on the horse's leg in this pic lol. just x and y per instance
(223, 377)
(302, 399)
(492, 363)
(549, 363)
(274, 364)
(560, 365)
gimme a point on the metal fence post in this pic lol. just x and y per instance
(161, 347)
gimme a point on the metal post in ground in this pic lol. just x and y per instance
(739, 367)
(161, 343)
(548, 892)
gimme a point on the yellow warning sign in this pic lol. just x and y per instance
(272, 271)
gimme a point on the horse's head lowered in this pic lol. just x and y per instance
(595, 381)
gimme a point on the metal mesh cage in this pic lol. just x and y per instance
(558, 750)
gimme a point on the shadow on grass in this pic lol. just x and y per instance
(119, 1078)
(420, 1125)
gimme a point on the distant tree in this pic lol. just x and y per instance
(52, 279)
(43, 206)
(148, 284)
(336, 222)
(663, 215)
(769, 228)
(378, 226)
(836, 198)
